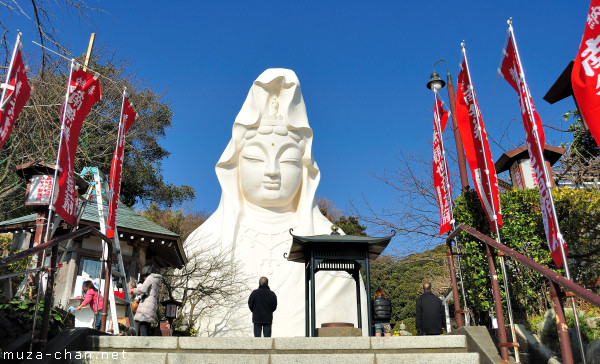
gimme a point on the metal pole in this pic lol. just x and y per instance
(457, 309)
(460, 152)
(51, 206)
(561, 325)
(10, 67)
(313, 319)
(509, 305)
(368, 288)
(40, 232)
(307, 298)
(462, 286)
(559, 236)
(107, 278)
(48, 299)
(356, 277)
(490, 206)
(503, 343)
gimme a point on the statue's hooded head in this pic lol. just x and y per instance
(269, 162)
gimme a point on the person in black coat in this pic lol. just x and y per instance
(262, 303)
(430, 318)
(382, 313)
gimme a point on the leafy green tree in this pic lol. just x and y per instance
(177, 221)
(583, 143)
(18, 266)
(349, 225)
(580, 165)
(36, 133)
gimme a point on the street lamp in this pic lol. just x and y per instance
(435, 84)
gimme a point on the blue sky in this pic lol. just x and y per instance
(362, 67)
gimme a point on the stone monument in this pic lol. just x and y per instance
(269, 178)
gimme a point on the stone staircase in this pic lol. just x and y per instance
(321, 350)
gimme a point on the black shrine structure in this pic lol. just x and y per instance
(335, 252)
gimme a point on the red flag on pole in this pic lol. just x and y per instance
(83, 92)
(477, 149)
(15, 93)
(512, 71)
(441, 180)
(585, 77)
(127, 118)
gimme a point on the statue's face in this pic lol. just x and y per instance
(270, 170)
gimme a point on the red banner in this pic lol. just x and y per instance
(512, 72)
(17, 94)
(127, 118)
(441, 180)
(477, 149)
(83, 92)
(585, 77)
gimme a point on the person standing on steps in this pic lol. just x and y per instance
(92, 297)
(146, 311)
(430, 313)
(262, 304)
(382, 313)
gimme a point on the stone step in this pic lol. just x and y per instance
(92, 357)
(298, 345)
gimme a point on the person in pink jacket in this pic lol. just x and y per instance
(92, 297)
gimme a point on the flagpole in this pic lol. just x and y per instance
(119, 135)
(457, 308)
(113, 164)
(453, 222)
(10, 67)
(51, 206)
(494, 214)
(529, 109)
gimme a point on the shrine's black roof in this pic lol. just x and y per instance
(300, 244)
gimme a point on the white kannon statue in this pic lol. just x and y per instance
(269, 178)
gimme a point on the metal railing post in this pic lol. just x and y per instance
(502, 339)
(457, 309)
(561, 325)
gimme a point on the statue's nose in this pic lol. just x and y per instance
(272, 168)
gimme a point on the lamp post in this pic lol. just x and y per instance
(436, 82)
(171, 307)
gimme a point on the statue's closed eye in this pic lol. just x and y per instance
(253, 158)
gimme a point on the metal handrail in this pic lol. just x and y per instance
(546, 272)
(54, 245)
(555, 279)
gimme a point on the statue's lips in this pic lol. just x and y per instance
(272, 185)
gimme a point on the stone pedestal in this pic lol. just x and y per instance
(334, 329)
(338, 331)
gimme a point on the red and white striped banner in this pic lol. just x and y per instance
(15, 93)
(441, 179)
(477, 149)
(83, 92)
(585, 77)
(512, 71)
(127, 118)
